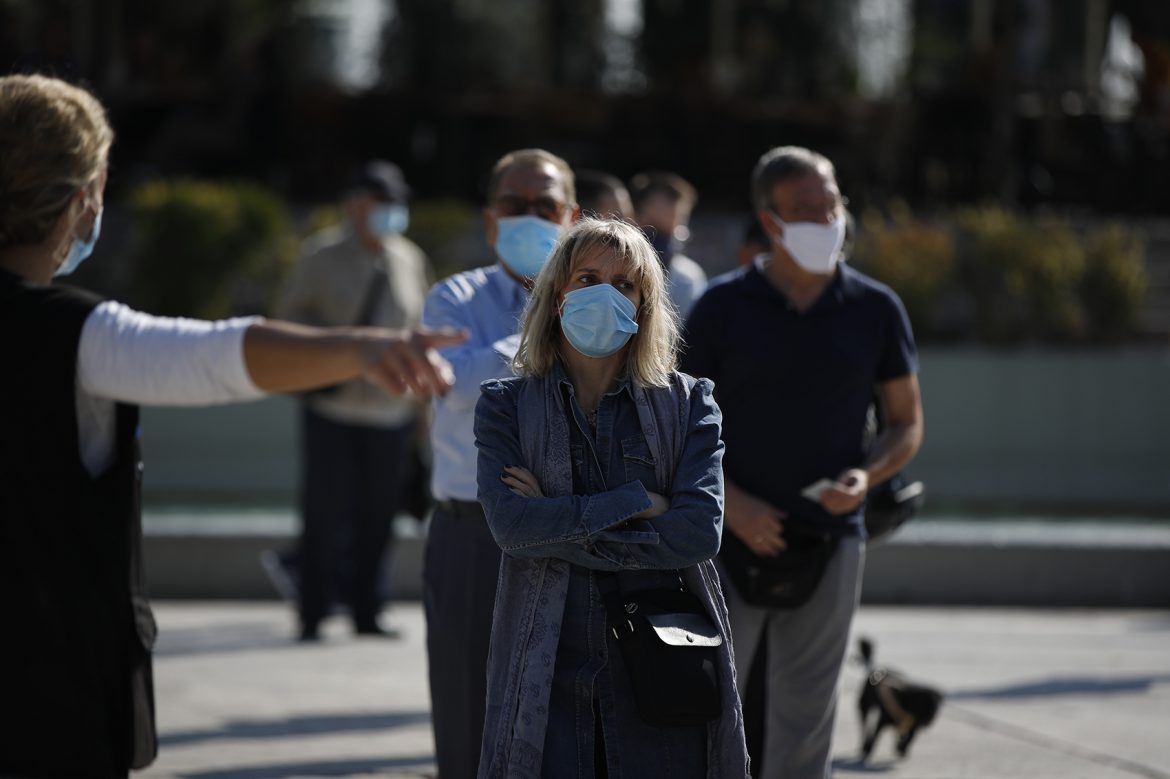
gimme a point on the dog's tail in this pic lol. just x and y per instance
(866, 648)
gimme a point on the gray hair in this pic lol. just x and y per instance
(783, 163)
(531, 158)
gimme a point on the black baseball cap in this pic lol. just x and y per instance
(382, 179)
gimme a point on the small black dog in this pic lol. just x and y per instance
(898, 701)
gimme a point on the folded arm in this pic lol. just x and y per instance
(690, 530)
(567, 526)
(618, 528)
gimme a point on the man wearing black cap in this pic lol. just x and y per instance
(357, 442)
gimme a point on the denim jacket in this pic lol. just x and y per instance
(525, 422)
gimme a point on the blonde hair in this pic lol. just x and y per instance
(652, 352)
(54, 139)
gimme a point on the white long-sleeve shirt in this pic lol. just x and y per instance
(131, 357)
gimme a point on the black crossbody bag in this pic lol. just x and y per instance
(373, 298)
(785, 581)
(789, 579)
(890, 505)
(670, 648)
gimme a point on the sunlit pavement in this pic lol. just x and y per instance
(1031, 693)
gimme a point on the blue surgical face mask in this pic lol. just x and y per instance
(387, 218)
(598, 320)
(525, 242)
(80, 250)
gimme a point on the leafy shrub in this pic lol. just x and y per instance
(914, 257)
(990, 275)
(1114, 284)
(1024, 276)
(323, 217)
(208, 249)
(447, 230)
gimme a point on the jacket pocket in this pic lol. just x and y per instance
(639, 463)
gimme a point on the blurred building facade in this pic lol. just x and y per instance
(1027, 102)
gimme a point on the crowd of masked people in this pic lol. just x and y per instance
(645, 482)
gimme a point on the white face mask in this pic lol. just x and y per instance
(814, 246)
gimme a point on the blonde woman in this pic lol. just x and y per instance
(599, 473)
(77, 692)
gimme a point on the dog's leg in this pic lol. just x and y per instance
(863, 708)
(882, 721)
(905, 739)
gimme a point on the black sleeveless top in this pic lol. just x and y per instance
(77, 629)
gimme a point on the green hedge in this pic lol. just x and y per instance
(208, 249)
(992, 276)
(916, 258)
(986, 275)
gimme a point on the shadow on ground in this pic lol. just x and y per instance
(298, 726)
(854, 765)
(319, 768)
(1064, 685)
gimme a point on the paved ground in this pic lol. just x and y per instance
(1037, 694)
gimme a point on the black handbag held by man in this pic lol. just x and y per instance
(785, 581)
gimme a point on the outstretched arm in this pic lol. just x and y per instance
(285, 357)
(129, 356)
(472, 361)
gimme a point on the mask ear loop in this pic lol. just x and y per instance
(89, 200)
(780, 224)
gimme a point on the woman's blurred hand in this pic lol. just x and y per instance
(399, 364)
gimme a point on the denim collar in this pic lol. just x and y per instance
(561, 379)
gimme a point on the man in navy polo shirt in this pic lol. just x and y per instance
(796, 343)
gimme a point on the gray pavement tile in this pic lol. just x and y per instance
(1031, 693)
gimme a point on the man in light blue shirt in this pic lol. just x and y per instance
(531, 201)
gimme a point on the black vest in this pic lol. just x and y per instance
(76, 630)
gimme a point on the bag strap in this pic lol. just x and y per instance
(613, 595)
(373, 297)
(615, 607)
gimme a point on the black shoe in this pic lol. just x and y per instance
(374, 630)
(282, 573)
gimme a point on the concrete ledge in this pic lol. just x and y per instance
(1020, 563)
(227, 567)
(1069, 428)
(1017, 576)
(1023, 562)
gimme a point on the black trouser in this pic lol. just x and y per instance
(351, 487)
(460, 571)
